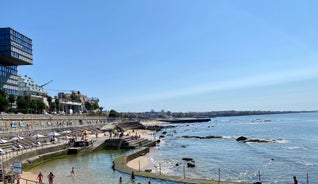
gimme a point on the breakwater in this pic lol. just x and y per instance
(187, 120)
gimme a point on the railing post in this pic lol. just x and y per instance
(307, 179)
(219, 173)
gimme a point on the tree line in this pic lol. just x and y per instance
(24, 104)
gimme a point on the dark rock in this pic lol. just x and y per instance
(258, 140)
(241, 138)
(190, 164)
(245, 140)
(158, 128)
(213, 137)
(148, 170)
(187, 159)
(206, 137)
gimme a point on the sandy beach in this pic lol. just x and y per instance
(141, 161)
(152, 122)
(29, 176)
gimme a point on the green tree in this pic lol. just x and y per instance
(52, 107)
(22, 104)
(73, 97)
(32, 105)
(3, 92)
(57, 103)
(49, 100)
(11, 99)
(3, 103)
(88, 106)
(95, 106)
(114, 114)
(61, 107)
(40, 105)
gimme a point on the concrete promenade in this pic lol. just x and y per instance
(27, 124)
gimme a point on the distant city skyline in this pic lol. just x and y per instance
(179, 56)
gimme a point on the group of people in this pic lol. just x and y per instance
(132, 177)
(51, 176)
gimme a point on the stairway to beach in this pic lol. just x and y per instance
(128, 143)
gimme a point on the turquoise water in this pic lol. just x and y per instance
(89, 168)
(294, 153)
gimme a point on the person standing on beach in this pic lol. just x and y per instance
(40, 178)
(17, 177)
(50, 177)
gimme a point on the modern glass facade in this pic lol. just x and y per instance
(9, 79)
(15, 50)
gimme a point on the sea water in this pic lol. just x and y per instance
(293, 152)
(89, 168)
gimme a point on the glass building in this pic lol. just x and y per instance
(15, 50)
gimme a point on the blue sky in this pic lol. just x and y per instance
(175, 55)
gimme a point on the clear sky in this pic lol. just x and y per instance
(176, 55)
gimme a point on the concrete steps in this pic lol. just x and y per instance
(129, 143)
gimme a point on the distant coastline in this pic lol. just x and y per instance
(162, 115)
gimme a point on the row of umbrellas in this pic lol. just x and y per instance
(51, 134)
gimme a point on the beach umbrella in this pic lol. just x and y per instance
(37, 136)
(66, 132)
(16, 138)
(2, 141)
(67, 137)
(53, 134)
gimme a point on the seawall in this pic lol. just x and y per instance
(120, 164)
(31, 157)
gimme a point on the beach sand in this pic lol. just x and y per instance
(152, 122)
(143, 161)
(28, 175)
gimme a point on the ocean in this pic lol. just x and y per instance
(292, 152)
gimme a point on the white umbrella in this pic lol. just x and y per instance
(2, 141)
(16, 138)
(53, 134)
(37, 136)
(66, 132)
(66, 137)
